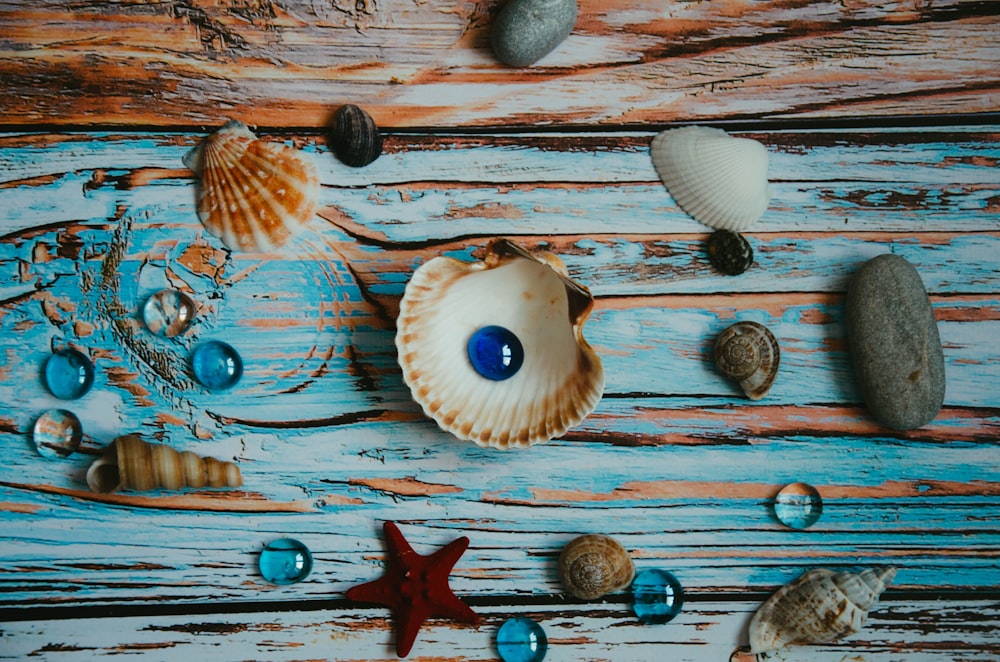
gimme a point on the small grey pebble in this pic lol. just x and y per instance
(527, 30)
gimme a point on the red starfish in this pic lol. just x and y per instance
(415, 587)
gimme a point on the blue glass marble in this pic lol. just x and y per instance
(521, 639)
(57, 433)
(216, 365)
(657, 596)
(798, 505)
(285, 561)
(495, 353)
(69, 374)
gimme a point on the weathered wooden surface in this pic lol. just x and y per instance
(428, 63)
(673, 462)
(931, 631)
(100, 101)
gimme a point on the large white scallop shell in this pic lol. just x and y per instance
(447, 300)
(254, 195)
(819, 607)
(718, 179)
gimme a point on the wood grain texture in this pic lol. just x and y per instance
(428, 64)
(881, 124)
(933, 631)
(674, 462)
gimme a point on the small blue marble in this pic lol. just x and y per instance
(657, 596)
(285, 561)
(798, 505)
(495, 353)
(216, 365)
(521, 639)
(57, 433)
(69, 374)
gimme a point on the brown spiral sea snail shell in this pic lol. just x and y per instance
(747, 352)
(594, 565)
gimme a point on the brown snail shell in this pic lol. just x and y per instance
(130, 463)
(594, 565)
(354, 137)
(819, 607)
(747, 352)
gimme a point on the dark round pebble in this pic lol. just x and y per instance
(729, 252)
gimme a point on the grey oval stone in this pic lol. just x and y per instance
(894, 343)
(525, 31)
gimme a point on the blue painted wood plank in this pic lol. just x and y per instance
(674, 461)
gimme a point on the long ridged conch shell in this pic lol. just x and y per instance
(447, 301)
(254, 195)
(747, 352)
(719, 180)
(130, 463)
(819, 607)
(594, 565)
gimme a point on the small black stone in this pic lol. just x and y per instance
(729, 252)
(354, 137)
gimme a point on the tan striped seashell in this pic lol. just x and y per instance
(129, 463)
(448, 300)
(819, 607)
(254, 195)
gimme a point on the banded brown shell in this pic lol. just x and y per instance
(748, 353)
(594, 565)
(819, 607)
(129, 463)
(254, 195)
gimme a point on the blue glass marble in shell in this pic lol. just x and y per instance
(798, 505)
(521, 639)
(216, 365)
(495, 353)
(657, 596)
(168, 313)
(57, 433)
(285, 561)
(69, 374)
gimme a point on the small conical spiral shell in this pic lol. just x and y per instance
(594, 565)
(818, 607)
(130, 463)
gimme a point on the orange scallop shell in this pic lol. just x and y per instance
(255, 195)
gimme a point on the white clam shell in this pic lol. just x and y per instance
(447, 300)
(718, 179)
(819, 607)
(254, 195)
